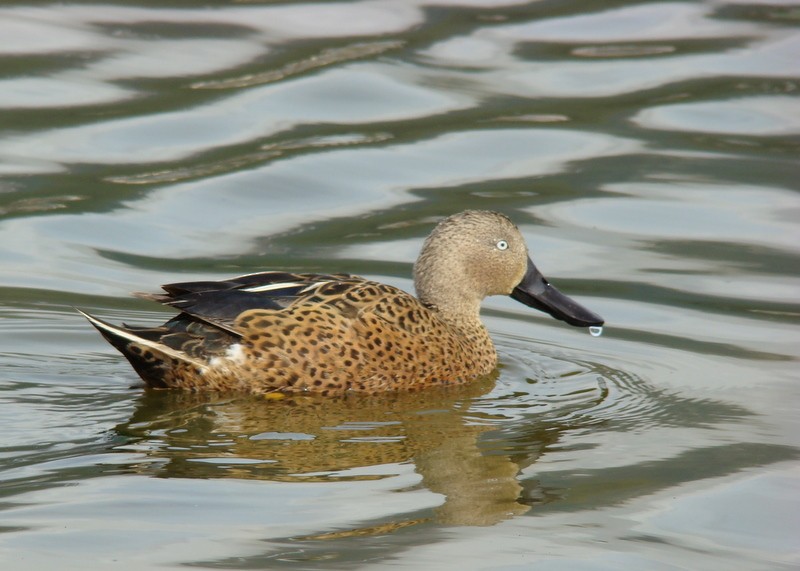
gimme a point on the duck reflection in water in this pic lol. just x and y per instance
(438, 430)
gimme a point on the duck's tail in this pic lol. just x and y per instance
(157, 364)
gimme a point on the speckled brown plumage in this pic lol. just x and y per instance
(332, 334)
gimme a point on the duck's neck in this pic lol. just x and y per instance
(460, 313)
(443, 283)
(464, 320)
(459, 309)
(458, 306)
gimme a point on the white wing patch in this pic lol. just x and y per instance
(233, 356)
(314, 286)
(235, 353)
(287, 285)
(273, 287)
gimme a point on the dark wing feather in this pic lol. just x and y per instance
(223, 307)
(219, 303)
(259, 279)
(179, 289)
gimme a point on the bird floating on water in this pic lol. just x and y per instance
(287, 333)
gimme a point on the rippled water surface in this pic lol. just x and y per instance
(649, 153)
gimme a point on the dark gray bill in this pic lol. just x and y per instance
(535, 291)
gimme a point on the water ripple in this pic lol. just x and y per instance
(325, 58)
(565, 390)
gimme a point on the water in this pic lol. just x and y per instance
(649, 153)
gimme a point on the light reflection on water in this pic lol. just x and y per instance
(648, 153)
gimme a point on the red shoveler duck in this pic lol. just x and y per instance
(279, 332)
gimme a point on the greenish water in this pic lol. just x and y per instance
(649, 153)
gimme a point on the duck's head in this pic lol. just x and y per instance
(474, 254)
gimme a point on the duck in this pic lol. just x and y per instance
(282, 333)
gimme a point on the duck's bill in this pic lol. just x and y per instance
(535, 291)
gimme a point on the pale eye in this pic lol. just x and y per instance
(502, 245)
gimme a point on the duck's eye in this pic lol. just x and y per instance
(502, 245)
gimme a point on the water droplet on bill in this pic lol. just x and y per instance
(596, 330)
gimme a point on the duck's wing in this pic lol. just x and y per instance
(219, 303)
(169, 354)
